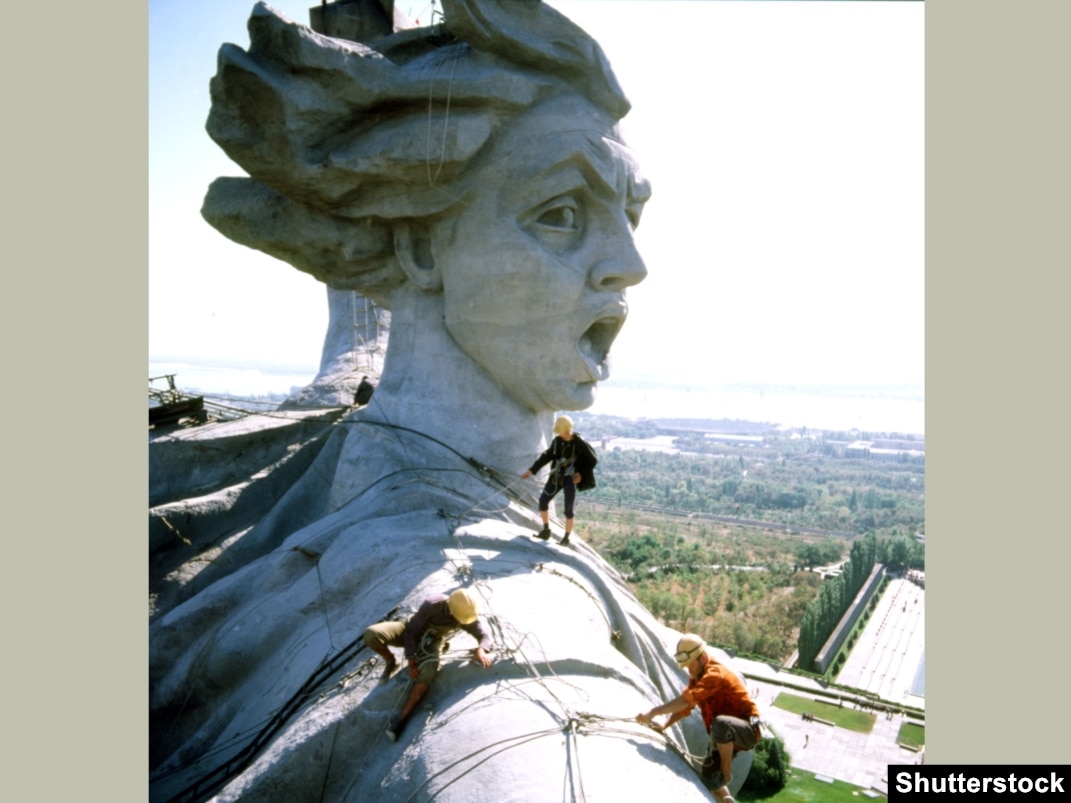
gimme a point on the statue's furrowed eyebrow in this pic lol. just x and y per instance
(603, 175)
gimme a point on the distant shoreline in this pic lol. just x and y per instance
(890, 408)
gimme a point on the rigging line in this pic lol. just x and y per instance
(158, 775)
(396, 428)
(518, 741)
(323, 604)
(592, 723)
(330, 758)
(597, 720)
(570, 728)
(197, 669)
(395, 706)
(589, 592)
(506, 689)
(505, 490)
(446, 117)
(575, 760)
(274, 413)
(390, 425)
(485, 471)
(246, 755)
(378, 402)
(494, 473)
(530, 667)
(236, 738)
(691, 759)
(400, 471)
(216, 778)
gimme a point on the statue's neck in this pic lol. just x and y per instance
(429, 385)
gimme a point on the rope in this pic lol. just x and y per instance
(330, 758)
(523, 739)
(323, 602)
(446, 117)
(575, 725)
(237, 763)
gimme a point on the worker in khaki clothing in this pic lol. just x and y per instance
(729, 714)
(423, 639)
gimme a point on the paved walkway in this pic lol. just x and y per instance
(884, 661)
(887, 656)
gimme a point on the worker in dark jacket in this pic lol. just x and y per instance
(572, 468)
(422, 638)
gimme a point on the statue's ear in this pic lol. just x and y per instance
(412, 246)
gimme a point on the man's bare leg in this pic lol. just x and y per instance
(416, 694)
(725, 752)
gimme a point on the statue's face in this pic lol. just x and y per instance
(535, 266)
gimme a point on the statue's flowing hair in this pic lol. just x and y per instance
(341, 140)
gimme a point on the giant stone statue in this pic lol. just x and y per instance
(470, 178)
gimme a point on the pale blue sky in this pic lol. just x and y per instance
(784, 239)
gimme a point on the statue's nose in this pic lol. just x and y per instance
(623, 269)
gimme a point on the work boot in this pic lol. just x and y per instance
(712, 770)
(394, 728)
(565, 540)
(708, 766)
(544, 534)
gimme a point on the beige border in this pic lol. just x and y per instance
(998, 379)
(74, 718)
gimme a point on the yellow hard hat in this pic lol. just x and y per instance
(462, 606)
(689, 648)
(563, 424)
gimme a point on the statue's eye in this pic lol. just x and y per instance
(562, 216)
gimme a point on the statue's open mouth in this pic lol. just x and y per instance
(595, 345)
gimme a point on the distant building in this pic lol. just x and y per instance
(745, 440)
(871, 450)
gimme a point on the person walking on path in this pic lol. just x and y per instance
(572, 468)
(423, 638)
(729, 714)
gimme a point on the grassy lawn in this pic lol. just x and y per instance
(911, 734)
(804, 788)
(858, 721)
